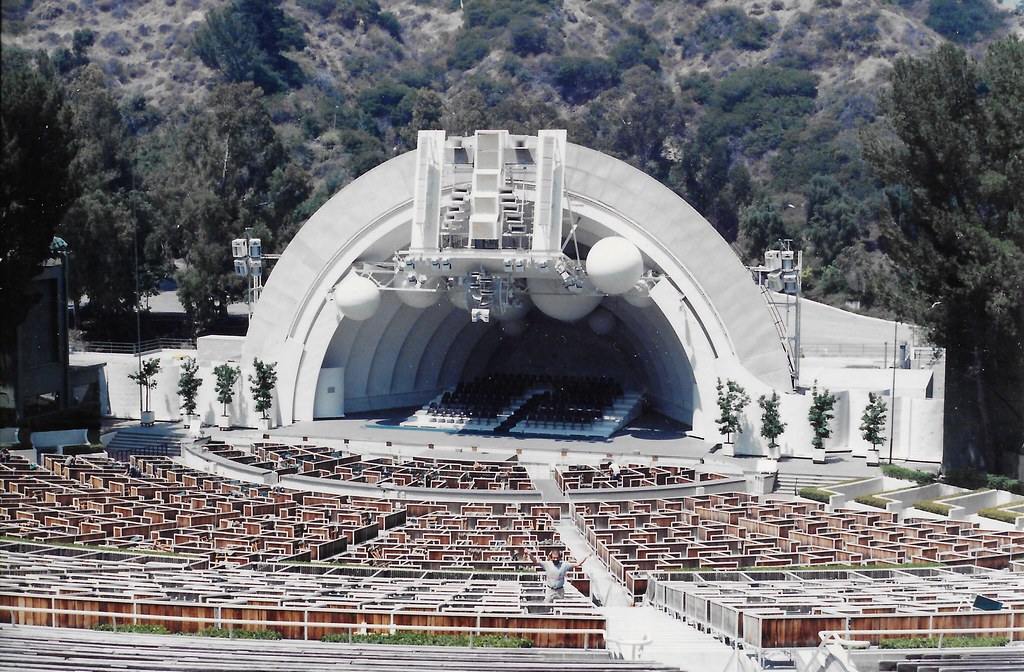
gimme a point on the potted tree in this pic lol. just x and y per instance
(146, 378)
(189, 383)
(820, 414)
(732, 399)
(227, 376)
(262, 383)
(871, 425)
(772, 425)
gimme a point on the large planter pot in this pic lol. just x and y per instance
(264, 424)
(194, 425)
(873, 457)
(224, 422)
(728, 450)
(819, 456)
(148, 417)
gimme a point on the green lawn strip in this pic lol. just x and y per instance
(1001, 514)
(937, 506)
(100, 549)
(810, 568)
(905, 474)
(947, 642)
(410, 638)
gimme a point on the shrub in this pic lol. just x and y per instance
(140, 628)
(963, 21)
(998, 513)
(933, 642)
(409, 638)
(872, 500)
(932, 506)
(816, 494)
(580, 78)
(238, 634)
(904, 474)
(90, 449)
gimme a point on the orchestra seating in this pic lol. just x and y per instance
(531, 404)
(734, 531)
(585, 477)
(35, 648)
(782, 609)
(320, 462)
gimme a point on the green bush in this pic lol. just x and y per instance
(904, 474)
(84, 449)
(238, 634)
(816, 494)
(872, 500)
(947, 642)
(133, 627)
(963, 21)
(932, 506)
(409, 638)
(998, 513)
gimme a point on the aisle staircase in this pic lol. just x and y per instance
(154, 440)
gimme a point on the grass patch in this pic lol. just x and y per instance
(817, 494)
(139, 628)
(409, 638)
(98, 549)
(905, 474)
(1001, 514)
(947, 642)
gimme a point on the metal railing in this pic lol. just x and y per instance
(144, 347)
(353, 628)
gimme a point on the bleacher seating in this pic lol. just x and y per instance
(735, 531)
(994, 660)
(781, 609)
(34, 648)
(578, 477)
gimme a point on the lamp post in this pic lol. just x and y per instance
(248, 256)
(892, 393)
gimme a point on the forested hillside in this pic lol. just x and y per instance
(192, 119)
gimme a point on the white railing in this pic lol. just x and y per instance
(353, 628)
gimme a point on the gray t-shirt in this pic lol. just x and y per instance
(555, 573)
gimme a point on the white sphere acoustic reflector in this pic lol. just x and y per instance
(421, 295)
(554, 300)
(614, 265)
(601, 322)
(357, 297)
(638, 297)
(459, 296)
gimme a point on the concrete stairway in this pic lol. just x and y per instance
(155, 440)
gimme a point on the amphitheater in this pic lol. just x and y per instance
(489, 348)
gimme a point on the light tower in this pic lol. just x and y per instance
(248, 256)
(779, 280)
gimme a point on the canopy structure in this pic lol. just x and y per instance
(518, 254)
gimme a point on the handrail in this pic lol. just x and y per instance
(152, 345)
(305, 623)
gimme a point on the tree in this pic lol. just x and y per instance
(223, 177)
(247, 41)
(189, 383)
(146, 378)
(262, 384)
(762, 227)
(952, 171)
(227, 376)
(772, 425)
(873, 420)
(821, 414)
(35, 187)
(732, 399)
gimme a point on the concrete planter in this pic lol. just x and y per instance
(819, 456)
(264, 424)
(224, 422)
(194, 425)
(148, 417)
(873, 457)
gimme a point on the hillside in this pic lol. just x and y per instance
(746, 109)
